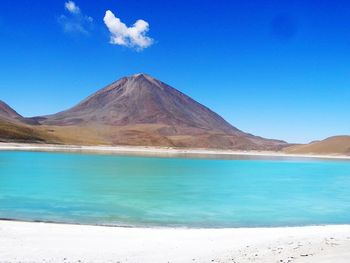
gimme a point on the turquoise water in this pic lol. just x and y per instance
(144, 191)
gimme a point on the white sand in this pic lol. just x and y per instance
(44, 242)
(155, 151)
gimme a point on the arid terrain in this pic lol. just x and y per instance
(142, 111)
(137, 110)
(331, 145)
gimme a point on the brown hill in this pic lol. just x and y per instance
(9, 114)
(15, 128)
(140, 110)
(331, 145)
(16, 132)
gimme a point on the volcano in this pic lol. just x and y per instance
(141, 110)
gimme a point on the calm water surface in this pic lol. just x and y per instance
(144, 191)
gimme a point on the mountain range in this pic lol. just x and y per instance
(136, 110)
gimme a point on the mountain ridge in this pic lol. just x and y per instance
(143, 111)
(7, 112)
(15, 128)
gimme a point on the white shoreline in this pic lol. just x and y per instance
(49, 242)
(157, 151)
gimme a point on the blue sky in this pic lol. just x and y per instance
(278, 69)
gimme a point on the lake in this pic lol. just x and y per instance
(153, 191)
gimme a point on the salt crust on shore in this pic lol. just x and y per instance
(47, 242)
(157, 151)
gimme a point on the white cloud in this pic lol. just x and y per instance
(134, 36)
(72, 7)
(75, 20)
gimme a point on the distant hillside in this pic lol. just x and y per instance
(9, 114)
(16, 132)
(331, 145)
(6, 112)
(15, 128)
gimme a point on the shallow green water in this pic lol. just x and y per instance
(117, 190)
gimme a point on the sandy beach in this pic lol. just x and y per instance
(158, 151)
(46, 242)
